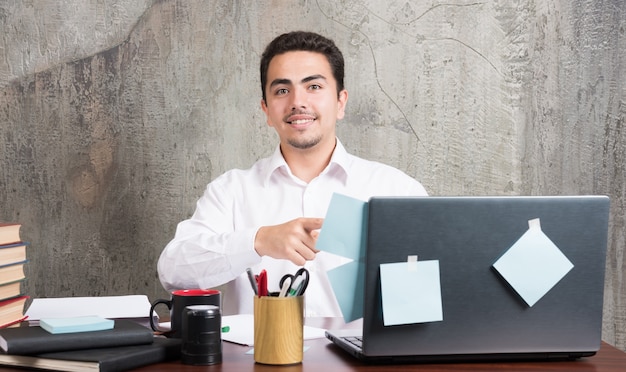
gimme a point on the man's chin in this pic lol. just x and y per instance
(303, 144)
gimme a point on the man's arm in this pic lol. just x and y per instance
(208, 250)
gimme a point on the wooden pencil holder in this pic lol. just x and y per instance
(278, 329)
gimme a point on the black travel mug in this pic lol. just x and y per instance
(202, 335)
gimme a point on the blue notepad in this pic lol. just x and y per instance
(76, 324)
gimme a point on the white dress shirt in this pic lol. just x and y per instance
(216, 245)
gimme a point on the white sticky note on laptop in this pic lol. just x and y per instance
(411, 292)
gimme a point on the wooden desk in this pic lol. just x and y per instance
(326, 357)
(323, 356)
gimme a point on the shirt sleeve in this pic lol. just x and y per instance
(206, 250)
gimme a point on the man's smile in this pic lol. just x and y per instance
(301, 121)
(298, 120)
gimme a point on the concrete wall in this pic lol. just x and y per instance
(115, 115)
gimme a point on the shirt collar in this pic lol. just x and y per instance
(339, 160)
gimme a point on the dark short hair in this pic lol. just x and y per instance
(304, 41)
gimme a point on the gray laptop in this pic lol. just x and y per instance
(484, 316)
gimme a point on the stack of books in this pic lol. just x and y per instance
(12, 260)
(127, 345)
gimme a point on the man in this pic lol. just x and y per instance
(268, 217)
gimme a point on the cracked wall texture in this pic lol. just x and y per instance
(115, 115)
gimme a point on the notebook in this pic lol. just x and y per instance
(485, 313)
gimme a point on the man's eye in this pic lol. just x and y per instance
(315, 87)
(281, 91)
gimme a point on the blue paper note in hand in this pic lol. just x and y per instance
(411, 292)
(343, 234)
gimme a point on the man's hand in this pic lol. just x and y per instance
(293, 240)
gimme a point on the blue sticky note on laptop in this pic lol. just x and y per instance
(533, 265)
(76, 324)
(411, 292)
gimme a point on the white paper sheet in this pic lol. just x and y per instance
(242, 330)
(110, 307)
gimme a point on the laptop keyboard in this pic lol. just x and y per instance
(355, 340)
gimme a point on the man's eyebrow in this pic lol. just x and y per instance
(313, 77)
(288, 82)
(279, 82)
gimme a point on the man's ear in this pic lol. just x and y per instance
(341, 104)
(265, 110)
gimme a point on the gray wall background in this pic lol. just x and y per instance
(115, 115)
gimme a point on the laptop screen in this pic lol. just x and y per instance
(483, 309)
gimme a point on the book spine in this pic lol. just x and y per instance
(13, 245)
(13, 299)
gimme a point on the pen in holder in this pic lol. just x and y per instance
(278, 329)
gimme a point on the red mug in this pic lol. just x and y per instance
(180, 299)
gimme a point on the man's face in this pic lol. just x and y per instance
(301, 99)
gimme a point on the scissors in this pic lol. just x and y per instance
(304, 274)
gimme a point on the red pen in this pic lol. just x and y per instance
(262, 283)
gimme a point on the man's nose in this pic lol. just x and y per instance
(298, 98)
